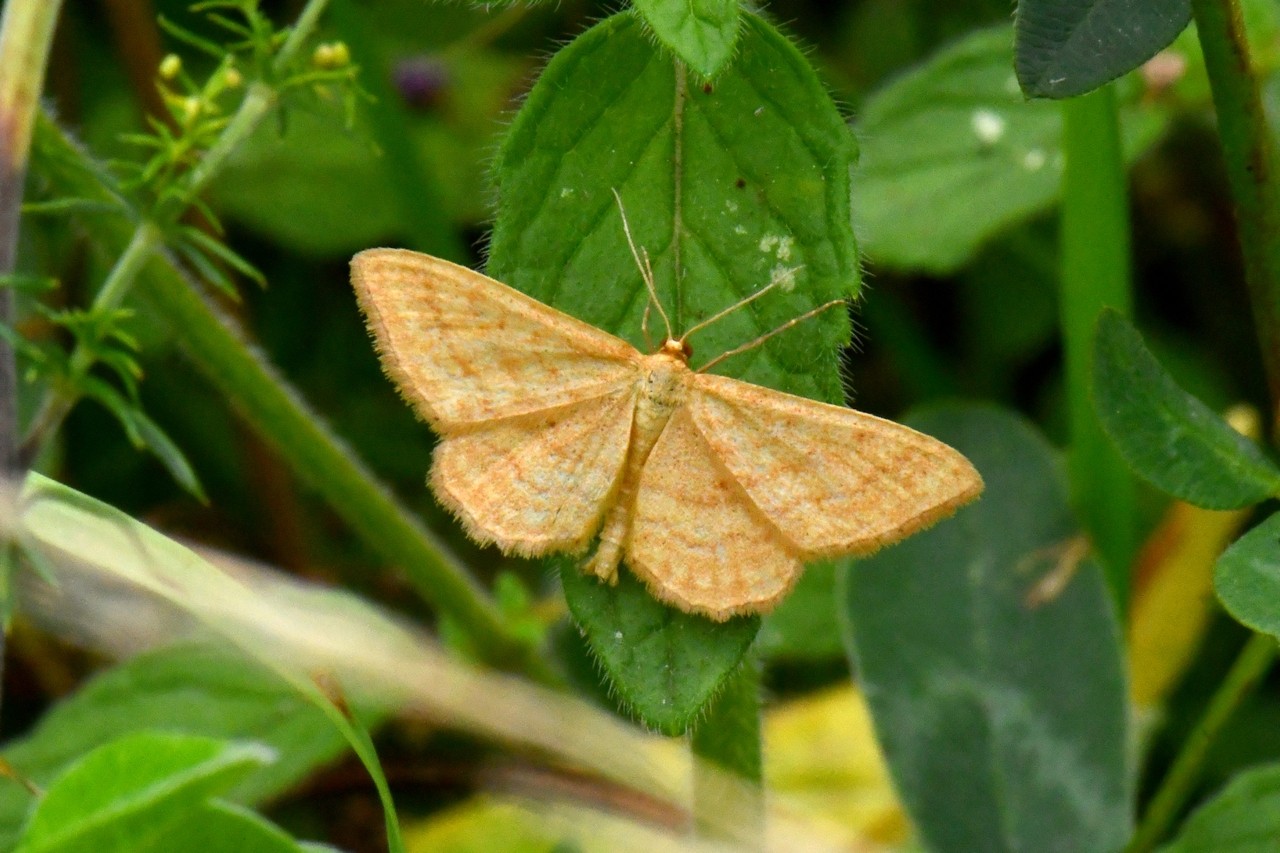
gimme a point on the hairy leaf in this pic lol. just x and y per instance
(726, 185)
(702, 33)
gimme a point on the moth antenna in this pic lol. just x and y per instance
(779, 278)
(646, 271)
(644, 323)
(758, 341)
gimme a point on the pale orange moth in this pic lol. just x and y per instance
(714, 491)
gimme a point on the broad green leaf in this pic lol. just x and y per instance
(197, 690)
(1247, 578)
(726, 186)
(1069, 47)
(1244, 817)
(991, 658)
(804, 627)
(220, 827)
(953, 154)
(702, 32)
(665, 664)
(1167, 436)
(127, 793)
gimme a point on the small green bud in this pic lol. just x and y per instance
(190, 109)
(233, 78)
(170, 66)
(331, 55)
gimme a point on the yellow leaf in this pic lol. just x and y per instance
(821, 753)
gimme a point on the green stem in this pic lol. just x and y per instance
(1095, 275)
(258, 103)
(303, 27)
(1249, 151)
(728, 739)
(26, 34)
(1252, 664)
(299, 434)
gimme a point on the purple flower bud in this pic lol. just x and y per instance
(421, 81)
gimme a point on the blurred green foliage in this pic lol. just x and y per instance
(953, 201)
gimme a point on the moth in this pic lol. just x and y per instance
(715, 492)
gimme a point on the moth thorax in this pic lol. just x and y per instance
(665, 382)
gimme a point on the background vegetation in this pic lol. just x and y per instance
(1047, 670)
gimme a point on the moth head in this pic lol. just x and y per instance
(680, 349)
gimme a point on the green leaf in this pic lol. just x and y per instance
(725, 186)
(170, 455)
(146, 434)
(702, 32)
(198, 690)
(220, 827)
(1247, 578)
(953, 154)
(1167, 436)
(1002, 710)
(125, 794)
(805, 627)
(1244, 817)
(665, 664)
(1069, 47)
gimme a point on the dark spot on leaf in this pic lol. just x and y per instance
(741, 183)
(707, 87)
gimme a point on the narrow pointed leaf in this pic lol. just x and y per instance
(1168, 437)
(991, 658)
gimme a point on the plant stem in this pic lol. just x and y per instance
(728, 739)
(257, 104)
(279, 414)
(26, 34)
(1253, 662)
(1095, 274)
(1250, 155)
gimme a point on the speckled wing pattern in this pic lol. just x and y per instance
(747, 484)
(534, 407)
(465, 349)
(539, 483)
(697, 539)
(831, 479)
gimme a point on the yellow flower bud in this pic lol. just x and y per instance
(233, 78)
(170, 66)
